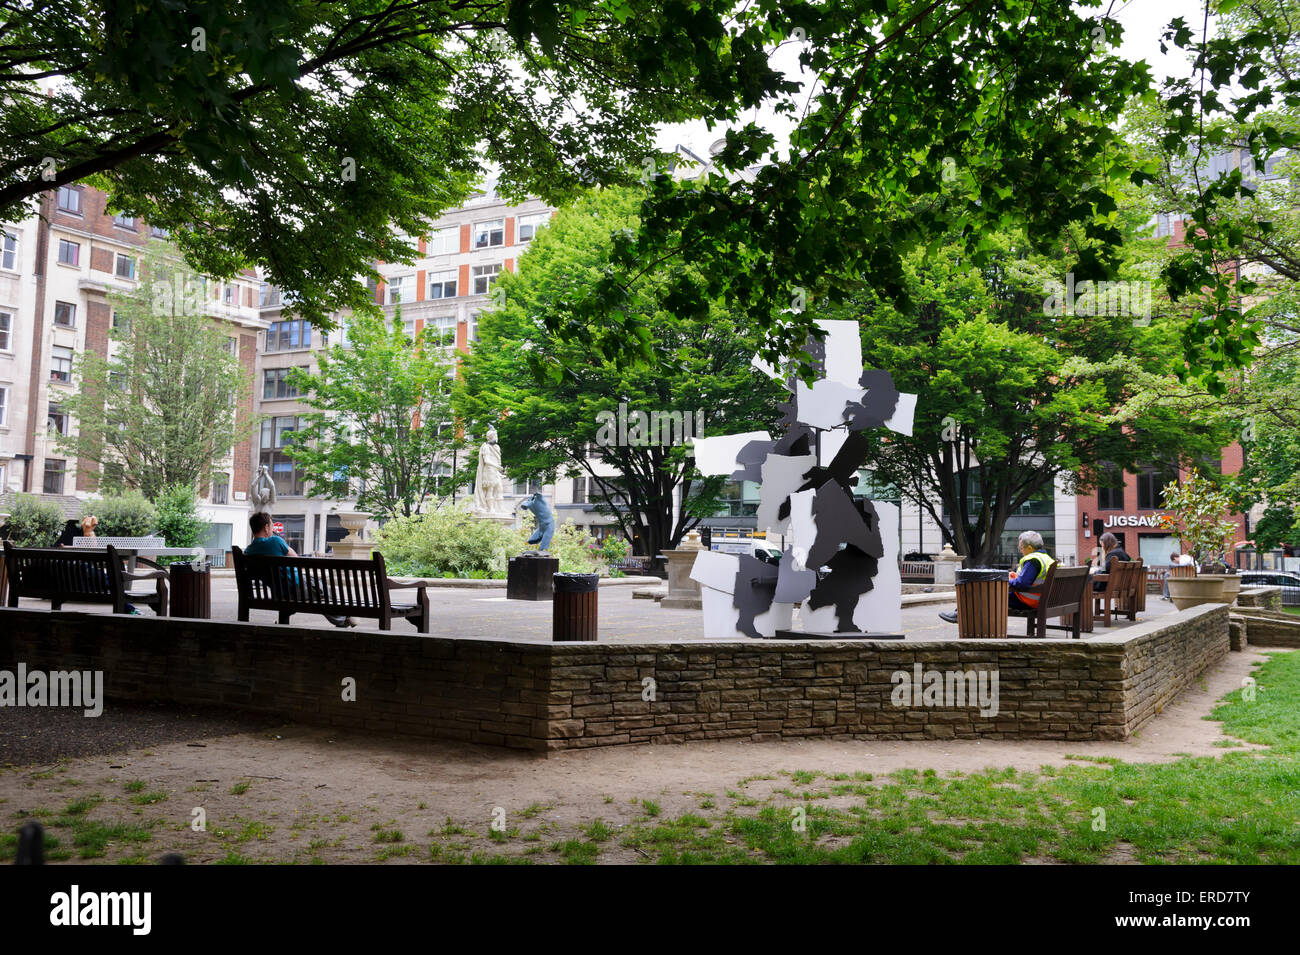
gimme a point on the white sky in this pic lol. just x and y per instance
(1143, 22)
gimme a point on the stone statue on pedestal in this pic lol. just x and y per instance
(489, 482)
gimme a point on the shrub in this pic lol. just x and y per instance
(179, 522)
(128, 514)
(34, 523)
(448, 540)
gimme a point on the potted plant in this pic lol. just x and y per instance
(1198, 522)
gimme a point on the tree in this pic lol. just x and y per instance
(991, 350)
(164, 407)
(382, 428)
(940, 119)
(551, 400)
(295, 134)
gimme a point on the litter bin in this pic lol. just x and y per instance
(191, 590)
(982, 594)
(574, 613)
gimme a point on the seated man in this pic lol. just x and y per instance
(264, 542)
(1110, 551)
(1033, 567)
(1176, 560)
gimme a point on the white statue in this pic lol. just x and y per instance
(489, 482)
(262, 491)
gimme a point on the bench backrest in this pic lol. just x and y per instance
(1124, 577)
(1065, 587)
(310, 584)
(1182, 570)
(63, 573)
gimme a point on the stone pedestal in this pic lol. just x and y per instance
(945, 567)
(529, 578)
(683, 593)
(354, 546)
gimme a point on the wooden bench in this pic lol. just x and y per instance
(79, 575)
(1120, 597)
(325, 585)
(1064, 592)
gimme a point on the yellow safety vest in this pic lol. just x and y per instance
(1044, 562)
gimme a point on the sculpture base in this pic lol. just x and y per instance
(828, 635)
(506, 520)
(670, 602)
(528, 577)
(352, 550)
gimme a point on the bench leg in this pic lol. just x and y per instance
(285, 615)
(242, 616)
(423, 624)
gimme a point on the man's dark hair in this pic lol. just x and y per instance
(259, 521)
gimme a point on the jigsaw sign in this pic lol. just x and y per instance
(840, 562)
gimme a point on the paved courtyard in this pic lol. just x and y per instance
(484, 613)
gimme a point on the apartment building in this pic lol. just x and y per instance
(57, 272)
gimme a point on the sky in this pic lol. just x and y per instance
(1142, 20)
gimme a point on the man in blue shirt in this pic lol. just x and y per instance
(265, 542)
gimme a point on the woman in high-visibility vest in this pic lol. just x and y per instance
(1033, 567)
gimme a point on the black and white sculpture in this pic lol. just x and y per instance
(840, 561)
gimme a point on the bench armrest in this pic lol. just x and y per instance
(145, 575)
(396, 585)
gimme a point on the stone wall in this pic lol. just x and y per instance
(543, 696)
(1269, 598)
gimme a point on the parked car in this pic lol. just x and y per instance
(764, 550)
(1289, 582)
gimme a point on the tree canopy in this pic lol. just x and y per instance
(553, 400)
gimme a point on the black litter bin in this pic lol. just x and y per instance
(574, 613)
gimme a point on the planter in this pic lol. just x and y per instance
(1231, 586)
(1193, 591)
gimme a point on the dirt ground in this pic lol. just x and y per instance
(292, 793)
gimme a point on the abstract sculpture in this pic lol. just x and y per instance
(840, 560)
(261, 493)
(545, 520)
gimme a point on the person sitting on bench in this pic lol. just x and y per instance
(1108, 545)
(1033, 567)
(265, 542)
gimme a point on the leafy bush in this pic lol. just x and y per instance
(34, 523)
(447, 541)
(128, 514)
(179, 522)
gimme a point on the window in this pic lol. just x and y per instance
(55, 470)
(60, 364)
(1151, 483)
(65, 314)
(230, 293)
(443, 242)
(528, 226)
(232, 346)
(158, 232)
(277, 434)
(221, 490)
(490, 233)
(263, 294)
(125, 267)
(1110, 489)
(69, 252)
(9, 251)
(4, 412)
(124, 222)
(471, 331)
(442, 284)
(69, 200)
(6, 331)
(275, 384)
(528, 487)
(56, 419)
(485, 276)
(580, 491)
(286, 336)
(442, 328)
(400, 288)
